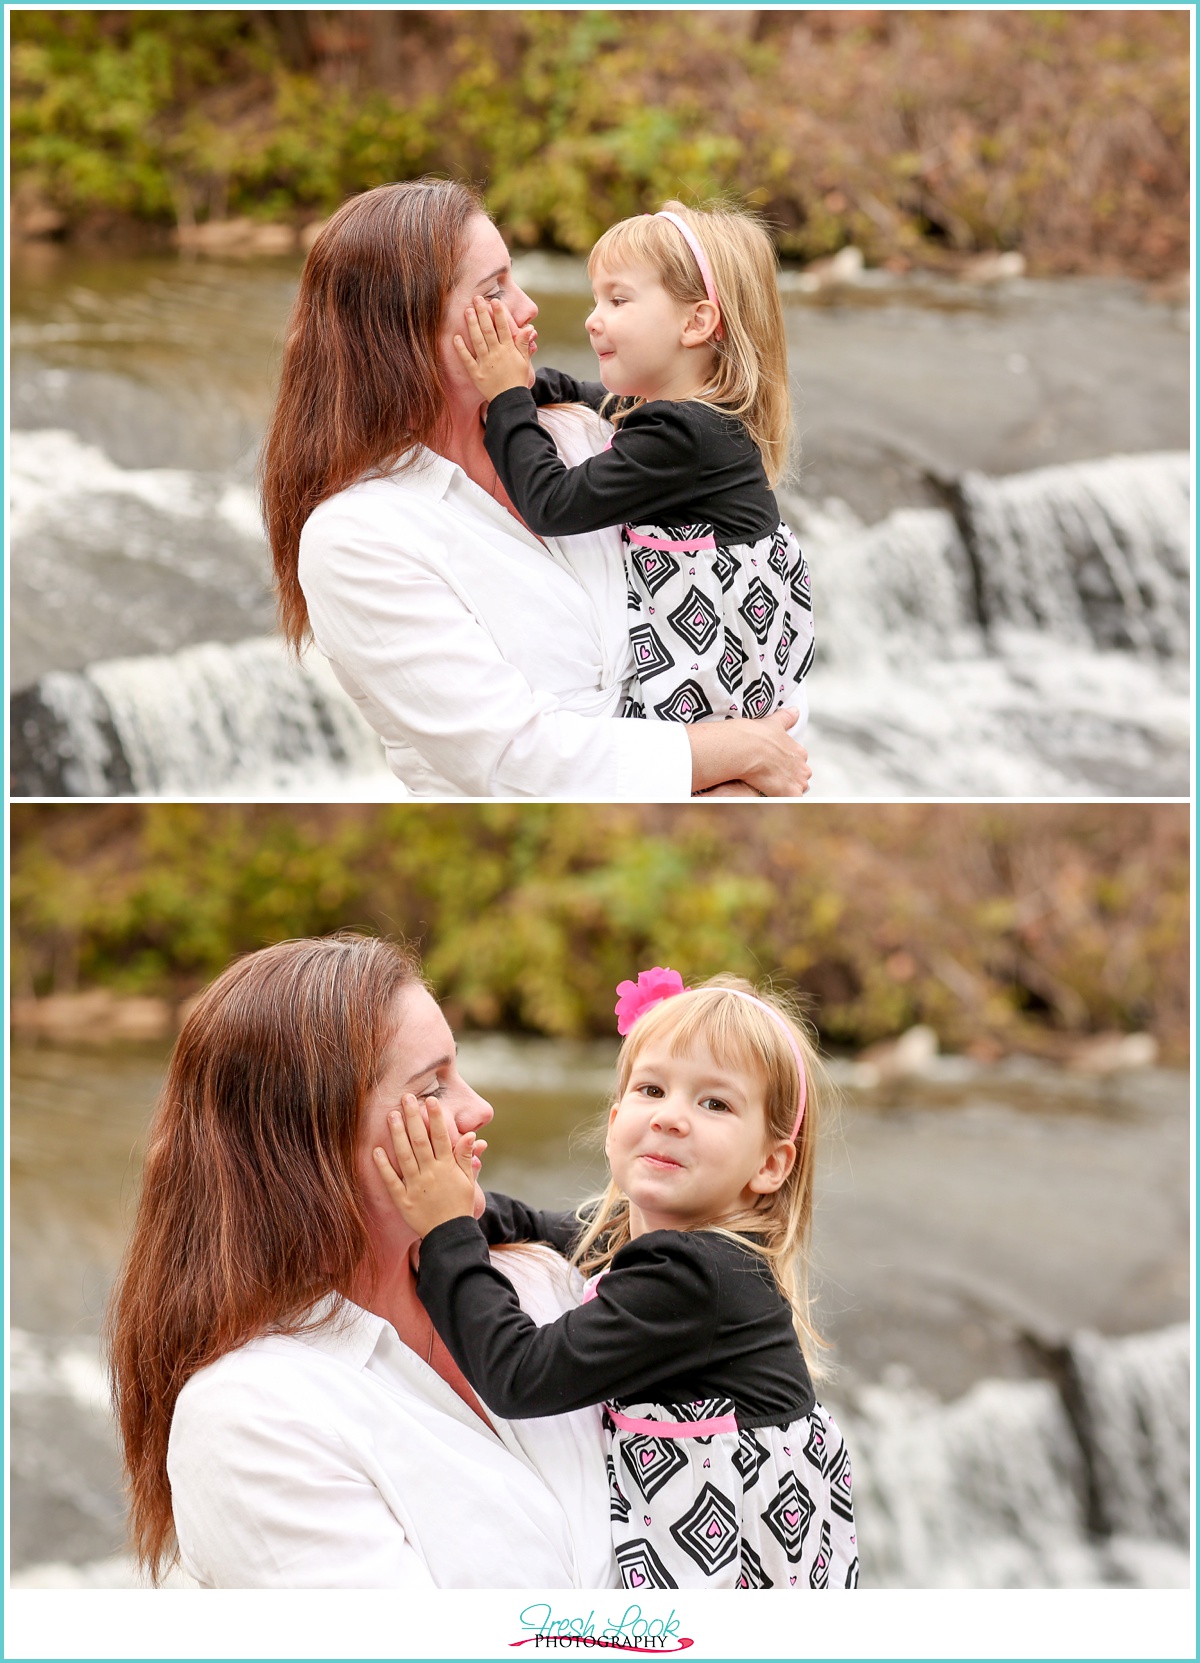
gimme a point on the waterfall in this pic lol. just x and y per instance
(1030, 639)
(1095, 552)
(989, 1491)
(1133, 1395)
(891, 591)
(992, 1491)
(207, 721)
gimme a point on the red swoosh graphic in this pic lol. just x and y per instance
(606, 1645)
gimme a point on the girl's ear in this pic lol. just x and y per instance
(773, 1173)
(612, 1115)
(701, 324)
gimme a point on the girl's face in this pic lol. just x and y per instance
(688, 1142)
(487, 271)
(649, 345)
(419, 1059)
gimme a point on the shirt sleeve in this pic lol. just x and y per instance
(557, 387)
(649, 472)
(507, 1220)
(399, 631)
(265, 1496)
(654, 1317)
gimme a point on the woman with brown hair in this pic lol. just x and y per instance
(289, 1417)
(490, 661)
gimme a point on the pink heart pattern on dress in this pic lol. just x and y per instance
(646, 1520)
(715, 1529)
(792, 1518)
(646, 1457)
(636, 1579)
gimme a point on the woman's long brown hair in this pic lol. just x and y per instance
(360, 385)
(249, 1210)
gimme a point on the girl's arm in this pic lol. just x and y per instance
(507, 1220)
(649, 472)
(654, 1315)
(552, 386)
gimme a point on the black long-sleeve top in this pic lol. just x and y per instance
(671, 462)
(680, 1315)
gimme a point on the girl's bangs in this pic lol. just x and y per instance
(637, 240)
(647, 241)
(729, 1027)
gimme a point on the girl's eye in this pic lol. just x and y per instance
(714, 1103)
(437, 1089)
(651, 1091)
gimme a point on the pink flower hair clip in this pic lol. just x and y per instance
(634, 999)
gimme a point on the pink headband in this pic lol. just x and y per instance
(693, 242)
(634, 999)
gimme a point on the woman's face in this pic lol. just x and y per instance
(486, 270)
(419, 1059)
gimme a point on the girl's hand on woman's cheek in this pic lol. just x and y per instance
(494, 357)
(431, 1177)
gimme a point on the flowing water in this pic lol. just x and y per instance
(1003, 1262)
(994, 494)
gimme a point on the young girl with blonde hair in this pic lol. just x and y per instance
(724, 1471)
(689, 334)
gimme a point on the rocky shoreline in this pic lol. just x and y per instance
(101, 1017)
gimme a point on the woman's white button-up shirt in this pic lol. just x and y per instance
(491, 663)
(337, 1458)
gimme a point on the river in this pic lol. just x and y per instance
(994, 493)
(1003, 1269)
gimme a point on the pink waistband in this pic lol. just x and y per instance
(674, 1428)
(694, 546)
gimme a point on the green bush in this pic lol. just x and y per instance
(914, 135)
(1001, 925)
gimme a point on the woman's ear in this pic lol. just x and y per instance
(774, 1171)
(700, 325)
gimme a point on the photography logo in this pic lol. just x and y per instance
(543, 1629)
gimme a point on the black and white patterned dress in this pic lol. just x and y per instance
(720, 609)
(724, 1471)
(718, 629)
(767, 1507)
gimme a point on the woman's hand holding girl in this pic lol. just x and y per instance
(498, 357)
(759, 752)
(433, 1176)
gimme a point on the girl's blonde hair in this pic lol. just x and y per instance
(750, 375)
(778, 1227)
